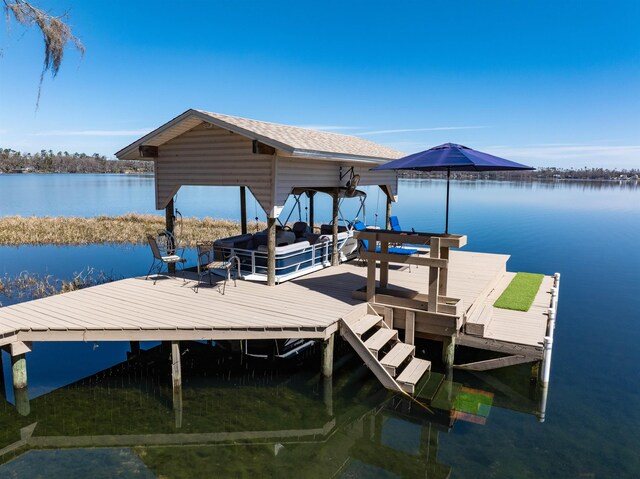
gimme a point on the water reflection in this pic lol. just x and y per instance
(239, 418)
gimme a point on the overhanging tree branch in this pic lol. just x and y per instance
(55, 31)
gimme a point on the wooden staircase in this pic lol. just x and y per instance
(392, 361)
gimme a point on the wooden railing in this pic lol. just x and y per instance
(437, 262)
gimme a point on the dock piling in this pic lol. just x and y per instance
(176, 375)
(20, 391)
(327, 356)
(448, 351)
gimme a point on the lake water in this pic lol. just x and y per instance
(589, 232)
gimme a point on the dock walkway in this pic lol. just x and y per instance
(309, 307)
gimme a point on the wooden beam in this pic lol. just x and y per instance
(444, 272)
(434, 275)
(404, 259)
(271, 251)
(495, 363)
(418, 238)
(371, 274)
(533, 352)
(411, 300)
(243, 209)
(410, 327)
(384, 264)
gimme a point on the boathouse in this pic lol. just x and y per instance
(204, 148)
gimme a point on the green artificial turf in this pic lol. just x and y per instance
(520, 293)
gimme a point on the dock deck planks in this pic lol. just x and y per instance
(310, 306)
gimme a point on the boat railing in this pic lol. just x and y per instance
(255, 261)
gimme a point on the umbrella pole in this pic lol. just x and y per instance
(446, 227)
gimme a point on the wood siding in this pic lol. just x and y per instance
(209, 155)
(299, 173)
(213, 156)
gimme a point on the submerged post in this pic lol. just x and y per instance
(327, 356)
(327, 394)
(243, 209)
(19, 374)
(334, 249)
(546, 361)
(271, 251)
(449, 351)
(168, 221)
(176, 376)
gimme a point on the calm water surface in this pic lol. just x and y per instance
(293, 424)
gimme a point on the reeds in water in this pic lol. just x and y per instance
(126, 229)
(27, 286)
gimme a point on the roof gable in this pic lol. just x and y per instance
(295, 141)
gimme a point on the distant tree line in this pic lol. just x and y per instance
(544, 174)
(46, 161)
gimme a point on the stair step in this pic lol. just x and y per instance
(381, 337)
(398, 355)
(410, 376)
(365, 323)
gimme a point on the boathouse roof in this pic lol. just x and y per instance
(203, 148)
(291, 140)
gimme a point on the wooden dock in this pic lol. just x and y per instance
(312, 307)
(135, 309)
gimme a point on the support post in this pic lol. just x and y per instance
(371, 273)
(384, 265)
(176, 376)
(327, 394)
(388, 213)
(19, 371)
(410, 327)
(134, 346)
(20, 392)
(434, 275)
(312, 195)
(334, 248)
(243, 209)
(448, 351)
(271, 251)
(327, 356)
(3, 390)
(168, 221)
(546, 361)
(444, 272)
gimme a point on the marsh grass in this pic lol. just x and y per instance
(27, 286)
(127, 229)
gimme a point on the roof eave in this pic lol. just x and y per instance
(329, 156)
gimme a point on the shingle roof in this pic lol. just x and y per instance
(301, 142)
(305, 139)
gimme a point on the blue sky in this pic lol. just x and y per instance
(545, 83)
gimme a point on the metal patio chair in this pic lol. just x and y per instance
(163, 249)
(212, 259)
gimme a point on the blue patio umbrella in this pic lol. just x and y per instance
(451, 157)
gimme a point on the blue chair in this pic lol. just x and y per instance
(394, 222)
(360, 226)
